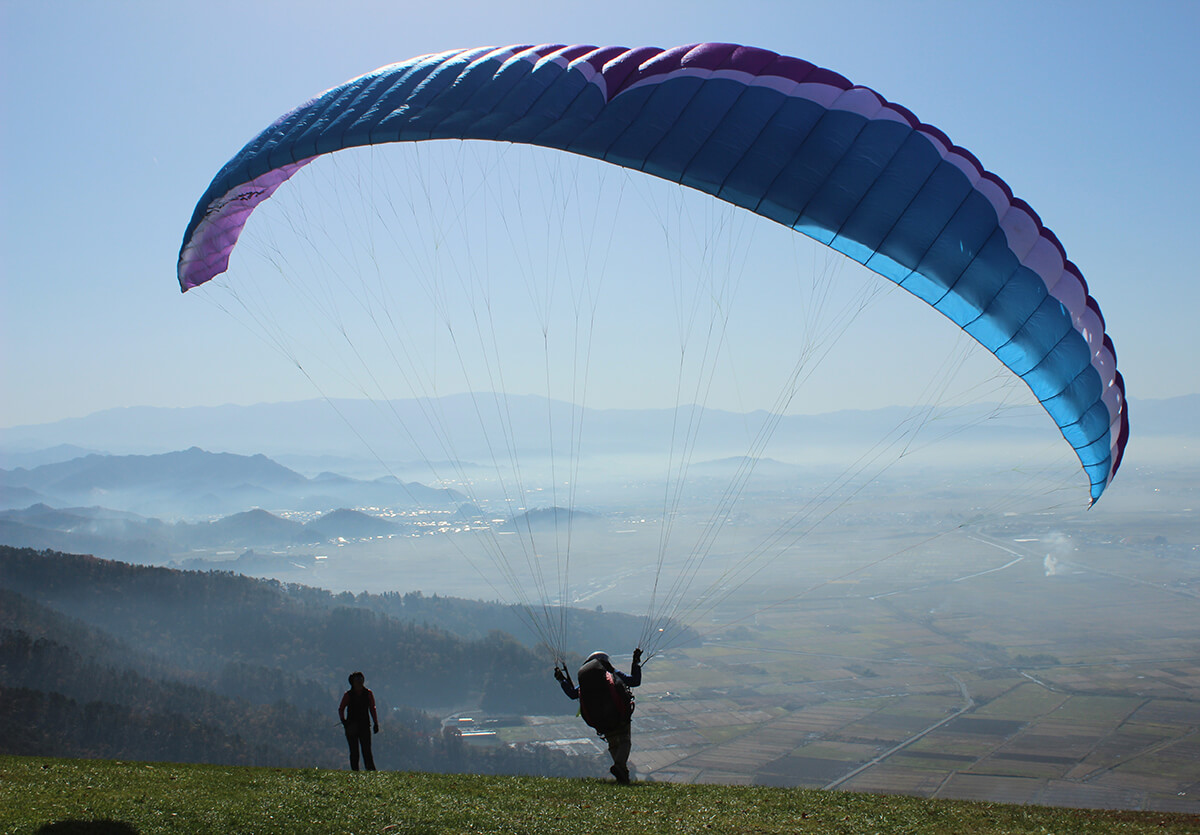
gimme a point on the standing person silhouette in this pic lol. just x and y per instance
(359, 719)
(606, 703)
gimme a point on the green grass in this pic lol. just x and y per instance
(105, 798)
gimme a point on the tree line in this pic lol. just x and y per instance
(156, 663)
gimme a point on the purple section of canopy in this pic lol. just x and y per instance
(217, 233)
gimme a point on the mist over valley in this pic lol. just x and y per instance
(944, 625)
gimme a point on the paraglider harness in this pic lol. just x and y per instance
(605, 701)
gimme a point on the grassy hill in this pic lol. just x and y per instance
(54, 797)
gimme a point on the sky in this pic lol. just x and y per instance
(118, 114)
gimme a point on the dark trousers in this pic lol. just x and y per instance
(620, 741)
(359, 736)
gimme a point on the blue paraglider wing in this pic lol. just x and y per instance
(776, 135)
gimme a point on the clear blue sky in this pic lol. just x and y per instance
(117, 114)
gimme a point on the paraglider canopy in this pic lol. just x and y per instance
(785, 139)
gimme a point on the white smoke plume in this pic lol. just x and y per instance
(1059, 545)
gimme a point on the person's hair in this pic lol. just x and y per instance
(355, 675)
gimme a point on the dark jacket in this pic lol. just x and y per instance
(632, 679)
(357, 710)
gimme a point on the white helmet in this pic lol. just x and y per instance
(602, 657)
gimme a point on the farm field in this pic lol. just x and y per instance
(979, 674)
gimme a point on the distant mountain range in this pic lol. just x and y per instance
(315, 435)
(195, 484)
(144, 506)
(132, 538)
(115, 505)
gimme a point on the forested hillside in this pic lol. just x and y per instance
(101, 658)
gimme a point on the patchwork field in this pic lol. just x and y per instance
(947, 678)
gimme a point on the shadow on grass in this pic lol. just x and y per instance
(100, 827)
